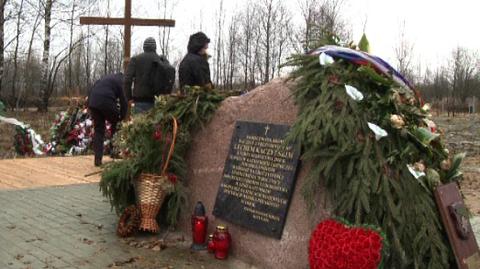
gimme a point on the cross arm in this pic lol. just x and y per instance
(124, 21)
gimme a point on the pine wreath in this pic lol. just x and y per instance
(129, 222)
(374, 146)
(139, 143)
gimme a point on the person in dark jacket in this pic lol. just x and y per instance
(194, 69)
(141, 74)
(103, 101)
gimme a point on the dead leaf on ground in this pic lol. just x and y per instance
(124, 262)
(87, 241)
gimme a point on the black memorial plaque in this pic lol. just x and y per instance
(258, 178)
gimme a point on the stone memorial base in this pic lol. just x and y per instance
(271, 103)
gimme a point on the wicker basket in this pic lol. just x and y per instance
(151, 190)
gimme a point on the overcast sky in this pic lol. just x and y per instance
(435, 27)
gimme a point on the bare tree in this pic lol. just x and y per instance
(15, 53)
(28, 62)
(273, 19)
(2, 41)
(248, 32)
(217, 68)
(268, 13)
(321, 19)
(404, 52)
(45, 91)
(106, 41)
(463, 69)
(70, 48)
(231, 60)
(166, 8)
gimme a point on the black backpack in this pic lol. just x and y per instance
(162, 76)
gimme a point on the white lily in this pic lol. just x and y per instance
(325, 59)
(354, 93)
(377, 130)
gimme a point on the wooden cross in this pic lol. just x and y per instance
(127, 22)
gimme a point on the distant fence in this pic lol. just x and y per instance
(456, 106)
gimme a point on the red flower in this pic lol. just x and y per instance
(172, 177)
(334, 79)
(157, 135)
(337, 246)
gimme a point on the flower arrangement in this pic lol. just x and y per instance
(372, 143)
(143, 142)
(72, 133)
(337, 245)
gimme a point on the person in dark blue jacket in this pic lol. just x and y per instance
(103, 102)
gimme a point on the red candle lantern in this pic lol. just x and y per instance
(222, 241)
(210, 244)
(199, 227)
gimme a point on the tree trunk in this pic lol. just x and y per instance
(105, 71)
(70, 81)
(45, 91)
(268, 35)
(2, 41)
(87, 58)
(15, 98)
(28, 71)
(164, 32)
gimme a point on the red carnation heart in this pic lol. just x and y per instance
(337, 246)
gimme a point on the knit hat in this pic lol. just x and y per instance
(149, 44)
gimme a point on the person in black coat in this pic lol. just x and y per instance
(103, 101)
(194, 69)
(142, 73)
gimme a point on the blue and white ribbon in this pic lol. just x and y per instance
(361, 57)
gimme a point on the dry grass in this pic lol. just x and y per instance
(462, 134)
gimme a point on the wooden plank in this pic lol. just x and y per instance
(127, 21)
(457, 224)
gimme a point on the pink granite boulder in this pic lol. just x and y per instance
(271, 103)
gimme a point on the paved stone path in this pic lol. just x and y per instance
(72, 227)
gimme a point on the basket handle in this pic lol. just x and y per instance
(172, 145)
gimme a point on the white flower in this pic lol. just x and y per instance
(354, 93)
(415, 173)
(419, 166)
(397, 121)
(446, 165)
(379, 132)
(426, 107)
(431, 125)
(325, 59)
